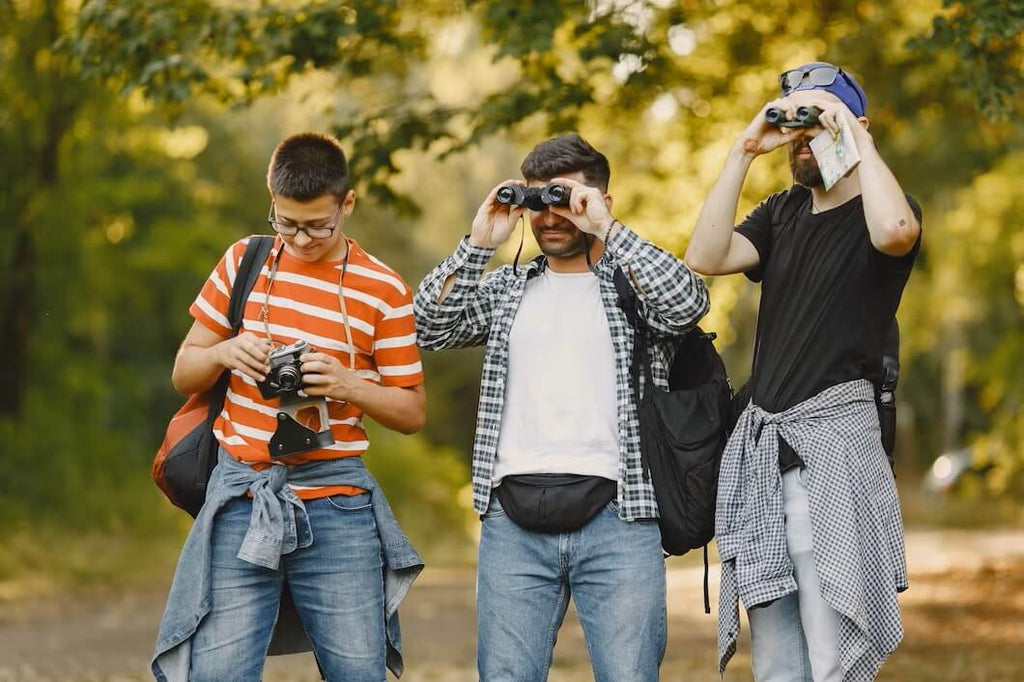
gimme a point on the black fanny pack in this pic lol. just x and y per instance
(554, 503)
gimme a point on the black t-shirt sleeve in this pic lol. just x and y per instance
(757, 228)
(905, 262)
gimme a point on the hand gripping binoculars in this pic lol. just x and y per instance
(806, 117)
(534, 198)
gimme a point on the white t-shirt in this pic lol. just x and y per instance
(560, 412)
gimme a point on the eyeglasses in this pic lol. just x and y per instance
(290, 229)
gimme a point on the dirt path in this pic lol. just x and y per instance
(964, 617)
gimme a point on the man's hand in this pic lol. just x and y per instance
(762, 137)
(587, 209)
(833, 112)
(324, 375)
(494, 221)
(246, 353)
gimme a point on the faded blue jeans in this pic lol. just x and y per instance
(796, 638)
(336, 583)
(613, 570)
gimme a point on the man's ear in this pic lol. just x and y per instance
(608, 202)
(864, 122)
(349, 203)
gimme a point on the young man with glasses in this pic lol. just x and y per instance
(808, 522)
(309, 530)
(566, 507)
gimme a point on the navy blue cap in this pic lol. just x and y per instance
(845, 87)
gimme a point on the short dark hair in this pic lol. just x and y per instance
(564, 154)
(308, 165)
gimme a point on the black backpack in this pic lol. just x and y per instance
(683, 430)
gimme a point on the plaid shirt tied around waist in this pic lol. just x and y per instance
(855, 520)
(480, 310)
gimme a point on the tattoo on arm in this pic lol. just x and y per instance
(903, 222)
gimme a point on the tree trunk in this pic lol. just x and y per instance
(15, 363)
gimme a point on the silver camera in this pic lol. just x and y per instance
(285, 376)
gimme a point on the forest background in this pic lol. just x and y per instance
(135, 137)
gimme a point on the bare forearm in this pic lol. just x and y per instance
(892, 226)
(709, 246)
(393, 407)
(196, 369)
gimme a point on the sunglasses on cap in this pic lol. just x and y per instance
(816, 76)
(820, 76)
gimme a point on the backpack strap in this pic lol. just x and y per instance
(885, 391)
(256, 252)
(629, 302)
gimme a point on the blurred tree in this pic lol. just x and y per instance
(133, 133)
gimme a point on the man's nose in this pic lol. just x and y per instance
(302, 239)
(547, 218)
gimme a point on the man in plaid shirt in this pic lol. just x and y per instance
(556, 401)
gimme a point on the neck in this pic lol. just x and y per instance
(577, 263)
(339, 251)
(841, 192)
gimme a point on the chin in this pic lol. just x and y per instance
(562, 251)
(808, 175)
(307, 256)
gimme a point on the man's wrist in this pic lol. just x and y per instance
(744, 151)
(351, 393)
(217, 355)
(471, 255)
(608, 230)
(862, 136)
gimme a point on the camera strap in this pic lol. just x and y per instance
(265, 310)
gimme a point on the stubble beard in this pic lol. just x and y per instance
(574, 246)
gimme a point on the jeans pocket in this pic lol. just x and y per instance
(350, 503)
(494, 509)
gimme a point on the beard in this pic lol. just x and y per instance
(805, 170)
(573, 244)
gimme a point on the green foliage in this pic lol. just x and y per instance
(987, 37)
(171, 49)
(135, 139)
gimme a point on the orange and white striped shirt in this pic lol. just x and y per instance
(304, 304)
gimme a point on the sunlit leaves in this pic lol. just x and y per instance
(987, 37)
(176, 49)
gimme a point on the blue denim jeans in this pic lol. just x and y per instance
(613, 570)
(336, 583)
(796, 638)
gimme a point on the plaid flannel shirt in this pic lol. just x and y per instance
(480, 310)
(855, 522)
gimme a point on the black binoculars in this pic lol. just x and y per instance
(806, 117)
(534, 198)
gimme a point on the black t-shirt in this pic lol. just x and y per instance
(828, 297)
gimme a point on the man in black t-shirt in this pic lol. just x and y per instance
(808, 521)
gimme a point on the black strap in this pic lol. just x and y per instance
(891, 359)
(707, 596)
(629, 302)
(256, 252)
